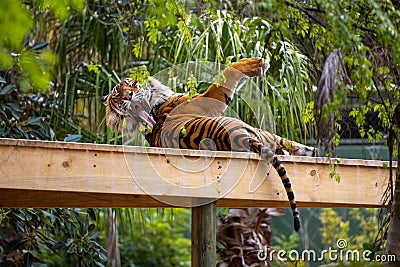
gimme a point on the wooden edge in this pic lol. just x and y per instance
(188, 152)
(20, 198)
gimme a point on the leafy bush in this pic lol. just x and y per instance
(32, 235)
(157, 240)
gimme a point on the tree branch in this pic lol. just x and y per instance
(308, 11)
(363, 28)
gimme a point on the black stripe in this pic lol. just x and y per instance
(190, 127)
(281, 172)
(293, 206)
(296, 224)
(212, 129)
(200, 131)
(288, 185)
(276, 162)
(290, 195)
(235, 128)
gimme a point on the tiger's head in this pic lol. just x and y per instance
(127, 108)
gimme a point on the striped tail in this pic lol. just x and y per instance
(286, 183)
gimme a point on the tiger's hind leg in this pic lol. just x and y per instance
(281, 145)
(293, 148)
(267, 154)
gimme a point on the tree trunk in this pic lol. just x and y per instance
(393, 235)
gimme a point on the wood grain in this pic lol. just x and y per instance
(59, 174)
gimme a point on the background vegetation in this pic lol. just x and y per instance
(58, 57)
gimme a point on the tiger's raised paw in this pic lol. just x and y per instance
(251, 67)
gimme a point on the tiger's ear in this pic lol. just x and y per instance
(104, 99)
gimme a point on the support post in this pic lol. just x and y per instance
(204, 235)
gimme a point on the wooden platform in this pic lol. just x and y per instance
(59, 174)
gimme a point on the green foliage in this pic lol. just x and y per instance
(282, 241)
(333, 227)
(191, 86)
(60, 9)
(20, 18)
(81, 112)
(24, 116)
(140, 74)
(31, 235)
(333, 173)
(357, 226)
(287, 243)
(17, 55)
(370, 50)
(289, 89)
(156, 238)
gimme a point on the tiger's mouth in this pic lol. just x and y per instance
(140, 110)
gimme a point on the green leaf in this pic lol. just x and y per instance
(72, 138)
(39, 46)
(91, 213)
(28, 259)
(22, 132)
(24, 85)
(16, 244)
(36, 121)
(71, 250)
(7, 90)
(183, 130)
(2, 80)
(14, 109)
(58, 245)
(385, 165)
(70, 241)
(94, 235)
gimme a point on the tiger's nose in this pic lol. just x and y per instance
(104, 99)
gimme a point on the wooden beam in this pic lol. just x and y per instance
(59, 174)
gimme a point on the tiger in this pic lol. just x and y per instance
(175, 120)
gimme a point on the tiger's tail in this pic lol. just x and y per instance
(267, 154)
(286, 183)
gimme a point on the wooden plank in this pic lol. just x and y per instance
(59, 174)
(204, 246)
